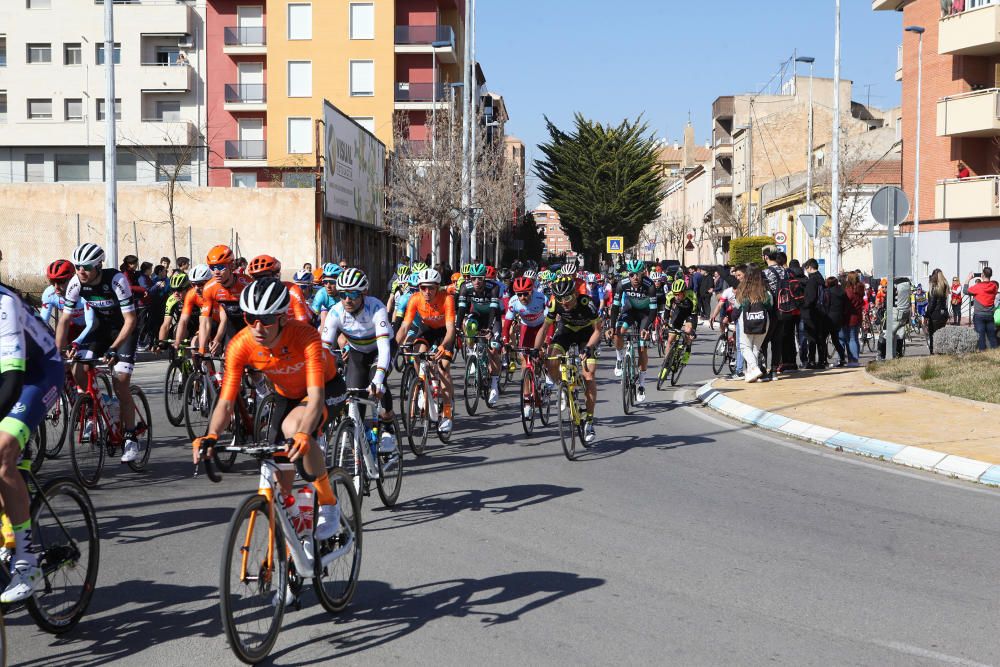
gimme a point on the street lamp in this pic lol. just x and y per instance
(915, 246)
(809, 153)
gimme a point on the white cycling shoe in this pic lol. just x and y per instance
(640, 394)
(528, 411)
(493, 397)
(328, 523)
(24, 580)
(131, 452)
(387, 443)
(618, 368)
(445, 425)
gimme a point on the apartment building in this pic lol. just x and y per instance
(52, 88)
(959, 217)
(555, 240)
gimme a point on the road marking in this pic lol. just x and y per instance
(932, 655)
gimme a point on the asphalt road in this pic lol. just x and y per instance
(680, 539)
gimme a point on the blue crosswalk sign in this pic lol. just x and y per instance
(616, 244)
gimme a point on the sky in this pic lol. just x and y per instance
(665, 59)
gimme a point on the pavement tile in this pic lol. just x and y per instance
(918, 457)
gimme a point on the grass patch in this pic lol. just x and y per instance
(973, 376)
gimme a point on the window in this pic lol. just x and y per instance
(3, 106)
(125, 166)
(167, 168)
(72, 54)
(167, 55)
(74, 109)
(244, 179)
(168, 110)
(39, 4)
(300, 135)
(100, 53)
(299, 78)
(362, 20)
(39, 109)
(300, 21)
(362, 78)
(366, 122)
(297, 179)
(3, 50)
(39, 53)
(72, 167)
(100, 108)
(34, 168)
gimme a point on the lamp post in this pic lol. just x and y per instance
(809, 151)
(110, 152)
(834, 268)
(915, 246)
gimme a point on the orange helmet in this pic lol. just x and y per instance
(318, 276)
(455, 277)
(263, 264)
(220, 254)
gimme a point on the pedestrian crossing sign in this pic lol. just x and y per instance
(616, 244)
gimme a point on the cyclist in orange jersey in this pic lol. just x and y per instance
(200, 275)
(265, 266)
(221, 297)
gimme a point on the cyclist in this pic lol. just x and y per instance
(304, 280)
(682, 306)
(222, 296)
(479, 303)
(108, 293)
(59, 274)
(362, 319)
(326, 298)
(634, 307)
(31, 374)
(291, 355)
(400, 304)
(529, 306)
(265, 266)
(399, 286)
(572, 268)
(580, 325)
(200, 275)
(180, 285)
(436, 309)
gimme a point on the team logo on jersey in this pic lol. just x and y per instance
(18, 408)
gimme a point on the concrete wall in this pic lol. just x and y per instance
(38, 223)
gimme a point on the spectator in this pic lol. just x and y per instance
(129, 266)
(792, 322)
(937, 305)
(165, 263)
(755, 304)
(183, 266)
(813, 316)
(854, 308)
(834, 306)
(725, 309)
(705, 290)
(773, 276)
(343, 263)
(963, 171)
(146, 276)
(958, 6)
(984, 296)
(956, 301)
(307, 267)
(696, 282)
(241, 266)
(946, 7)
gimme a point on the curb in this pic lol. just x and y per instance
(915, 457)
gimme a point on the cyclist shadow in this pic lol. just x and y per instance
(157, 614)
(443, 505)
(616, 446)
(386, 614)
(127, 529)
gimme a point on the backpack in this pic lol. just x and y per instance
(791, 295)
(755, 319)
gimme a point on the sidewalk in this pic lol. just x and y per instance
(846, 409)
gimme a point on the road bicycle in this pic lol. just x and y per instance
(675, 361)
(658, 336)
(353, 446)
(571, 421)
(257, 580)
(181, 366)
(725, 351)
(630, 370)
(536, 394)
(65, 537)
(97, 430)
(477, 375)
(201, 394)
(424, 403)
(57, 419)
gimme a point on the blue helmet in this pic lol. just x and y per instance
(413, 281)
(331, 270)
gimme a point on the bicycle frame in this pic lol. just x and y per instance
(91, 390)
(354, 412)
(424, 371)
(569, 376)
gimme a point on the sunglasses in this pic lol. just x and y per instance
(566, 299)
(523, 295)
(218, 267)
(86, 267)
(428, 288)
(479, 278)
(330, 282)
(353, 294)
(266, 320)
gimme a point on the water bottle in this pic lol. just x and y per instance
(291, 508)
(373, 442)
(304, 505)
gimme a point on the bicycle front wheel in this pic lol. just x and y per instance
(346, 455)
(528, 403)
(34, 449)
(720, 355)
(678, 364)
(567, 429)
(390, 479)
(471, 390)
(57, 425)
(143, 429)
(173, 392)
(252, 581)
(338, 560)
(87, 444)
(664, 372)
(64, 528)
(418, 416)
(198, 401)
(628, 392)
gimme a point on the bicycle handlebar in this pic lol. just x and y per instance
(266, 451)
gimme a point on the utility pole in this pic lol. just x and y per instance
(915, 246)
(473, 131)
(466, 91)
(834, 268)
(809, 150)
(110, 152)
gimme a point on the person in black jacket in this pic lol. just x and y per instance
(834, 308)
(813, 316)
(938, 297)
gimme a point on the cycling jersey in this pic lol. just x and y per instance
(366, 330)
(639, 302)
(682, 308)
(110, 297)
(324, 301)
(483, 304)
(216, 296)
(583, 314)
(193, 302)
(53, 305)
(532, 314)
(294, 363)
(297, 308)
(433, 315)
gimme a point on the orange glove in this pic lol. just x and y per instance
(211, 439)
(301, 443)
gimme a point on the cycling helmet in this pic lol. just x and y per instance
(220, 254)
(466, 268)
(569, 268)
(678, 286)
(635, 266)
(428, 276)
(302, 277)
(402, 271)
(353, 279)
(179, 281)
(516, 266)
(88, 253)
(419, 266)
(598, 277)
(263, 264)
(267, 296)
(505, 275)
(61, 269)
(491, 272)
(523, 284)
(331, 270)
(477, 271)
(564, 286)
(201, 273)
(413, 281)
(530, 275)
(655, 275)
(318, 276)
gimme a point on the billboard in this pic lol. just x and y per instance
(354, 170)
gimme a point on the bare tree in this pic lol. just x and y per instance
(732, 220)
(498, 190)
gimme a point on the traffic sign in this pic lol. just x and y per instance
(616, 245)
(782, 247)
(780, 238)
(812, 223)
(890, 203)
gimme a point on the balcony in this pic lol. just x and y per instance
(722, 185)
(158, 132)
(975, 114)
(165, 78)
(246, 97)
(899, 63)
(245, 153)
(167, 19)
(724, 107)
(956, 199)
(420, 96)
(436, 39)
(723, 147)
(974, 32)
(245, 41)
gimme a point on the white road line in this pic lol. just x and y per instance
(932, 655)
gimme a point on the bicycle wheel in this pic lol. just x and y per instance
(143, 428)
(472, 390)
(34, 449)
(443, 436)
(527, 403)
(64, 529)
(628, 395)
(173, 392)
(405, 379)
(198, 401)
(57, 426)
(677, 365)
(88, 434)
(664, 372)
(346, 456)
(418, 417)
(252, 581)
(567, 429)
(338, 560)
(731, 357)
(544, 394)
(661, 344)
(390, 479)
(720, 354)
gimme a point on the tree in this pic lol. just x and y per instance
(498, 191)
(732, 220)
(603, 180)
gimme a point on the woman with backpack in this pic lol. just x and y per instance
(755, 313)
(939, 295)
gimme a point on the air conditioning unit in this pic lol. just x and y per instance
(185, 42)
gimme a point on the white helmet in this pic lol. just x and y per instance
(428, 276)
(267, 296)
(352, 279)
(200, 273)
(569, 268)
(531, 274)
(88, 253)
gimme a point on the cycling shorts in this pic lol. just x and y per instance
(334, 392)
(632, 318)
(432, 337)
(565, 338)
(99, 342)
(677, 319)
(42, 382)
(529, 335)
(359, 370)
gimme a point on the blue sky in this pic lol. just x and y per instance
(664, 58)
